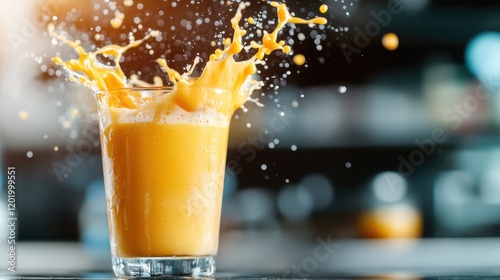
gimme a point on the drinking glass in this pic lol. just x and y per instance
(163, 171)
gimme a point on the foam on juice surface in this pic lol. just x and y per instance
(205, 116)
(160, 109)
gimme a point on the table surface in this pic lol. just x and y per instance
(235, 276)
(265, 257)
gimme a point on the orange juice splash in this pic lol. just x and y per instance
(222, 71)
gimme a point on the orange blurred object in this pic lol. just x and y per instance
(393, 221)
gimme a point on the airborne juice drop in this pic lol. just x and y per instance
(164, 151)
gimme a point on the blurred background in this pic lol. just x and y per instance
(390, 131)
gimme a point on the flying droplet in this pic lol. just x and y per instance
(323, 8)
(299, 59)
(390, 41)
(23, 115)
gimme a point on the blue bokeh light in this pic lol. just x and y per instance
(483, 55)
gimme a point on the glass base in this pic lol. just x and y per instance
(202, 266)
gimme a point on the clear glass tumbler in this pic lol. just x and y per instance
(164, 172)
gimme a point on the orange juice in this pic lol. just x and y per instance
(178, 217)
(165, 177)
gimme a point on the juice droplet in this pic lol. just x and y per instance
(66, 124)
(299, 59)
(390, 41)
(251, 20)
(74, 113)
(128, 3)
(23, 115)
(323, 9)
(118, 20)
